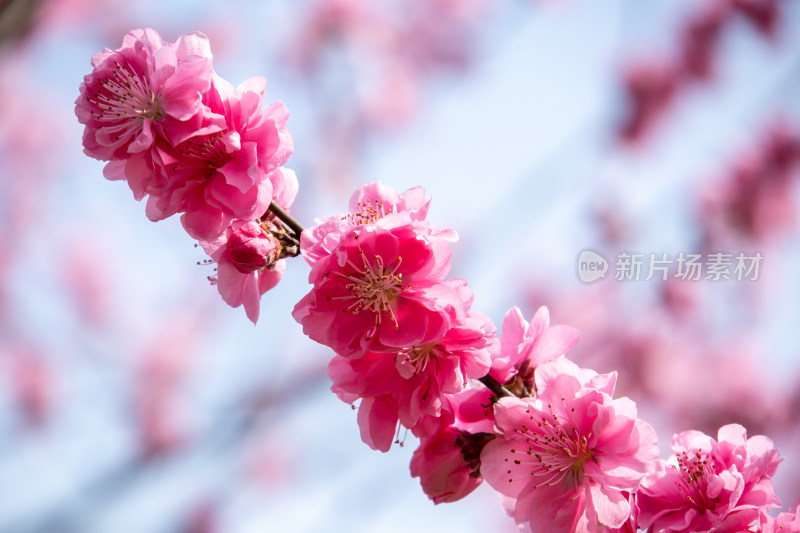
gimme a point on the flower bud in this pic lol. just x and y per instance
(448, 463)
(251, 248)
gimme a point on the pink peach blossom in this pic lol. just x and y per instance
(373, 203)
(382, 289)
(439, 463)
(710, 485)
(221, 176)
(248, 264)
(183, 136)
(523, 347)
(630, 525)
(411, 384)
(464, 352)
(146, 88)
(570, 457)
(248, 254)
(447, 461)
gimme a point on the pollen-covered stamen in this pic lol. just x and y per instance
(212, 149)
(419, 356)
(373, 287)
(696, 469)
(207, 155)
(369, 212)
(207, 262)
(122, 95)
(213, 278)
(551, 454)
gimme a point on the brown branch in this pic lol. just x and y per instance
(286, 218)
(495, 386)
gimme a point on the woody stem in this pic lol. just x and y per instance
(286, 218)
(495, 386)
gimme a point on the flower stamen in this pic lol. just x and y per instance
(373, 287)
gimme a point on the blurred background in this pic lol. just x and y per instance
(132, 399)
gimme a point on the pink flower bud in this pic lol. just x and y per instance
(251, 248)
(448, 463)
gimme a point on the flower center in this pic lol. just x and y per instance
(212, 149)
(552, 453)
(373, 287)
(695, 469)
(125, 95)
(414, 360)
(368, 212)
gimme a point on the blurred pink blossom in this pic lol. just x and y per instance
(201, 519)
(754, 201)
(764, 15)
(89, 281)
(164, 363)
(31, 384)
(700, 38)
(650, 88)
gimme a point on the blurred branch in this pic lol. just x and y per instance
(230, 428)
(16, 18)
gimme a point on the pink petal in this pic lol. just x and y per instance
(242, 170)
(512, 333)
(114, 170)
(268, 278)
(611, 506)
(181, 94)
(539, 323)
(251, 296)
(554, 341)
(499, 470)
(193, 44)
(231, 283)
(734, 434)
(377, 421)
(144, 140)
